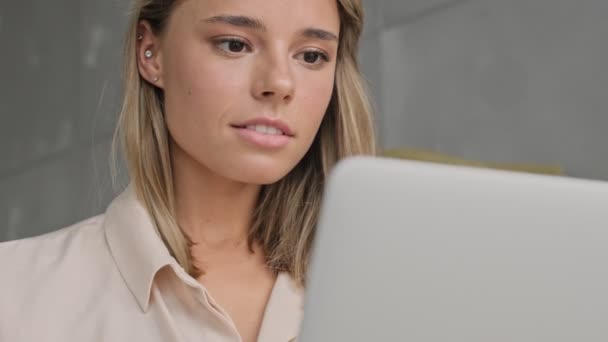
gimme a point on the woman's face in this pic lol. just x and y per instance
(247, 82)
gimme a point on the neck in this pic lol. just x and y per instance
(213, 211)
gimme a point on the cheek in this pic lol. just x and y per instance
(315, 100)
(216, 78)
(200, 93)
(211, 84)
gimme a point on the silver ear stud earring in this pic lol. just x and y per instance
(155, 79)
(148, 53)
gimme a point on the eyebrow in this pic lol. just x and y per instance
(238, 20)
(258, 25)
(319, 34)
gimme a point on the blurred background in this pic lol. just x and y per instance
(496, 82)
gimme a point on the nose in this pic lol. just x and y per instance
(274, 80)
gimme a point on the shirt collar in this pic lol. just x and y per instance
(284, 311)
(139, 254)
(135, 244)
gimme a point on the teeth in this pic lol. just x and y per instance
(273, 131)
(261, 129)
(265, 129)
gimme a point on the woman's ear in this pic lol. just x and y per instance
(149, 54)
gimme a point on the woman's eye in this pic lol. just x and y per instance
(315, 57)
(311, 57)
(232, 45)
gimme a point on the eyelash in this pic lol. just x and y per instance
(322, 54)
(219, 42)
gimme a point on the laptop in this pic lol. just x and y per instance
(412, 251)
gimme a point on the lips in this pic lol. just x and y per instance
(264, 125)
(271, 141)
(265, 132)
(262, 129)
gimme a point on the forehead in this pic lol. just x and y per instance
(274, 14)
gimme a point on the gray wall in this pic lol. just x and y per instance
(60, 65)
(521, 81)
(497, 80)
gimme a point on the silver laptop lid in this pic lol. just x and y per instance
(408, 251)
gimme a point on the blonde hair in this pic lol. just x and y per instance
(287, 211)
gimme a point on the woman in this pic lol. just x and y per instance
(234, 113)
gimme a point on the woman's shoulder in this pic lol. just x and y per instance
(51, 245)
(50, 281)
(52, 256)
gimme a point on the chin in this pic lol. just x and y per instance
(263, 172)
(263, 176)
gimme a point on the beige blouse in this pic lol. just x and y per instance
(110, 278)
